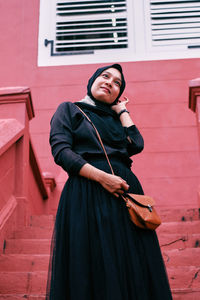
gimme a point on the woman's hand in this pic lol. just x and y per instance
(113, 184)
(124, 117)
(121, 104)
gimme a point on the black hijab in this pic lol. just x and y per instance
(111, 131)
(98, 72)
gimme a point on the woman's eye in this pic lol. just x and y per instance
(118, 83)
(105, 75)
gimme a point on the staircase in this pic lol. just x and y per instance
(25, 260)
(180, 245)
(24, 263)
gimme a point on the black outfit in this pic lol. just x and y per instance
(97, 252)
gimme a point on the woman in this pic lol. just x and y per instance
(97, 252)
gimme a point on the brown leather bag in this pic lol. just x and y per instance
(141, 211)
(140, 207)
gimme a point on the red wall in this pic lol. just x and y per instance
(158, 91)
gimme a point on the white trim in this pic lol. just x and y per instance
(140, 45)
(58, 61)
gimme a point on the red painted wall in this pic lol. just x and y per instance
(158, 91)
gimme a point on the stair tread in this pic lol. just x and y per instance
(168, 215)
(44, 220)
(188, 294)
(24, 262)
(33, 232)
(21, 297)
(183, 251)
(35, 282)
(31, 246)
(24, 282)
(186, 227)
(26, 258)
(179, 240)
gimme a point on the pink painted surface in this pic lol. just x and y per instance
(7, 175)
(158, 91)
(25, 260)
(22, 188)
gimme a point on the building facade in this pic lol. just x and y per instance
(53, 47)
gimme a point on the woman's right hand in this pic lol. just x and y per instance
(113, 184)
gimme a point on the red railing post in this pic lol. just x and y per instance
(194, 105)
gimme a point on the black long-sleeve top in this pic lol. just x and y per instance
(73, 139)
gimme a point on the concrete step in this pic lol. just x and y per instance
(182, 294)
(42, 221)
(188, 227)
(167, 215)
(182, 257)
(178, 294)
(39, 262)
(42, 246)
(184, 276)
(177, 215)
(179, 228)
(186, 294)
(23, 282)
(27, 246)
(21, 297)
(35, 282)
(23, 262)
(180, 240)
(33, 233)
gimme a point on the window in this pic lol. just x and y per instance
(83, 27)
(91, 31)
(173, 25)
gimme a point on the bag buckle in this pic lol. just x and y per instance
(150, 208)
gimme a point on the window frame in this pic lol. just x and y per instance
(139, 40)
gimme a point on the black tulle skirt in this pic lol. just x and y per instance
(97, 253)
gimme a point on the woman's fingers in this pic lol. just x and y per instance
(124, 186)
(126, 99)
(116, 195)
(120, 192)
(114, 184)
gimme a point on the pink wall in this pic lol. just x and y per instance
(7, 175)
(158, 90)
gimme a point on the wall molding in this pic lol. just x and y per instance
(7, 211)
(18, 95)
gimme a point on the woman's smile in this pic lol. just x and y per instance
(106, 87)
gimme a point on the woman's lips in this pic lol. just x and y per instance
(105, 89)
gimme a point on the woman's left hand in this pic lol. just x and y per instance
(121, 104)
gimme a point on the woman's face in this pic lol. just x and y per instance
(106, 86)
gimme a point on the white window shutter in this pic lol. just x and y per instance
(85, 26)
(175, 23)
(99, 31)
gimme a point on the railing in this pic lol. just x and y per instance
(194, 100)
(194, 105)
(23, 188)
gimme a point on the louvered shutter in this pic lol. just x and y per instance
(175, 23)
(82, 27)
(117, 30)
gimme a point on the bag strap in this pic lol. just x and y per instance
(99, 137)
(102, 145)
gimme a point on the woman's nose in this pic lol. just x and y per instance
(109, 82)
